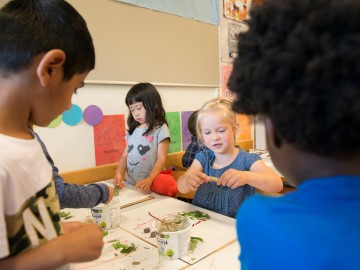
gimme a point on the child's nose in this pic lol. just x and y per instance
(215, 136)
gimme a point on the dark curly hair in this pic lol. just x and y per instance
(299, 65)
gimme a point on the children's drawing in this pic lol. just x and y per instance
(244, 122)
(186, 135)
(234, 29)
(109, 139)
(225, 74)
(237, 9)
(173, 119)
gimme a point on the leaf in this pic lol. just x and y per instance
(195, 215)
(194, 242)
(125, 249)
(102, 224)
(65, 215)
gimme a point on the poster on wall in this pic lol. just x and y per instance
(109, 139)
(237, 9)
(234, 29)
(173, 119)
(186, 135)
(244, 122)
(225, 74)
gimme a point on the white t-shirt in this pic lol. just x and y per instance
(29, 206)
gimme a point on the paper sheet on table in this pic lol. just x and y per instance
(130, 197)
(136, 220)
(145, 256)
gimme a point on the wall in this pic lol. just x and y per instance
(72, 147)
(140, 44)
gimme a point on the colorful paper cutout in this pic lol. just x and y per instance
(56, 122)
(186, 135)
(237, 9)
(244, 122)
(93, 115)
(109, 139)
(173, 119)
(225, 74)
(73, 116)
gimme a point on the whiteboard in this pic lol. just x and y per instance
(135, 44)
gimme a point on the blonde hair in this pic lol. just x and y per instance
(222, 106)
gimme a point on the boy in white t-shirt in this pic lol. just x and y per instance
(46, 51)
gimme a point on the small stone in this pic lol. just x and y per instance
(146, 230)
(153, 234)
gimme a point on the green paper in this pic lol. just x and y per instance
(173, 119)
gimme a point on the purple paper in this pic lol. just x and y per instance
(93, 115)
(186, 135)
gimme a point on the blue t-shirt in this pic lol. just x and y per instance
(315, 227)
(220, 199)
(193, 148)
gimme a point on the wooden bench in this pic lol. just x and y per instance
(105, 172)
(90, 175)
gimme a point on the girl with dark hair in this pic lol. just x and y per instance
(148, 141)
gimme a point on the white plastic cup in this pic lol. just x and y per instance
(107, 216)
(173, 245)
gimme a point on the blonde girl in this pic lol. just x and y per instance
(225, 176)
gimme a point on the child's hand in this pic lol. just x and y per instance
(144, 185)
(71, 226)
(119, 181)
(195, 179)
(111, 194)
(233, 178)
(84, 243)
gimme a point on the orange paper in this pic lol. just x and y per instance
(109, 139)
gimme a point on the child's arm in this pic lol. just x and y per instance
(120, 172)
(260, 176)
(79, 245)
(145, 184)
(192, 178)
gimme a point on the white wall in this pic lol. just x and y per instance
(72, 147)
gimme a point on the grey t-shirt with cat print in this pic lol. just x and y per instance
(142, 152)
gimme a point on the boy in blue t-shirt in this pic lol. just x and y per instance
(298, 67)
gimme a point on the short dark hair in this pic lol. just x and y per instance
(150, 97)
(299, 65)
(31, 27)
(192, 123)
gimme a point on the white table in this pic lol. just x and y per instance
(219, 250)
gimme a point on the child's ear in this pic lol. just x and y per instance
(51, 63)
(272, 137)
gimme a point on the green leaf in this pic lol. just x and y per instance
(125, 249)
(65, 215)
(195, 215)
(194, 242)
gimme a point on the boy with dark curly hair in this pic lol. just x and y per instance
(299, 68)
